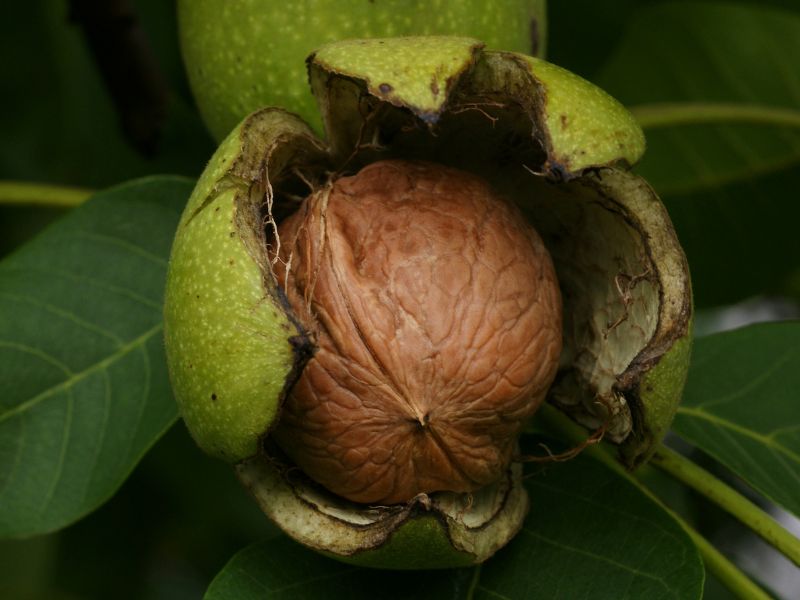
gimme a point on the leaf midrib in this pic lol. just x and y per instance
(118, 354)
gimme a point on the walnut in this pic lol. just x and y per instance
(433, 310)
(436, 316)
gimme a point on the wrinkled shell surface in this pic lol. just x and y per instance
(436, 315)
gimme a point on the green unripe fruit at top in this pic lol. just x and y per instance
(242, 55)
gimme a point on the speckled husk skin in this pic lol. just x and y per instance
(242, 55)
(549, 141)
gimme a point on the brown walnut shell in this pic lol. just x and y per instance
(436, 316)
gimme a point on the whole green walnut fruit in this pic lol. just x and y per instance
(249, 306)
(242, 55)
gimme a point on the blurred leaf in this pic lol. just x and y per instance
(583, 33)
(20, 223)
(81, 354)
(58, 121)
(26, 566)
(741, 239)
(732, 76)
(740, 406)
(590, 533)
(717, 87)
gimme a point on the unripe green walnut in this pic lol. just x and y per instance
(436, 319)
(242, 55)
(240, 345)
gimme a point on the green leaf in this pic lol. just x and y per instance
(281, 568)
(721, 113)
(722, 105)
(583, 33)
(85, 388)
(740, 406)
(59, 122)
(724, 232)
(590, 533)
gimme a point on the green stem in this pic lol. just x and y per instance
(24, 193)
(726, 571)
(728, 499)
(666, 114)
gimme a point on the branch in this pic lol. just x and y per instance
(651, 116)
(30, 194)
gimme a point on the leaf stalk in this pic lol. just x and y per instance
(724, 496)
(669, 114)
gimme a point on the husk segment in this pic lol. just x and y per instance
(577, 125)
(232, 347)
(438, 531)
(627, 297)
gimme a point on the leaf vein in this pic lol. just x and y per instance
(62, 453)
(726, 424)
(584, 500)
(37, 352)
(145, 394)
(599, 558)
(114, 289)
(103, 428)
(752, 383)
(492, 593)
(17, 455)
(70, 316)
(76, 377)
(115, 241)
